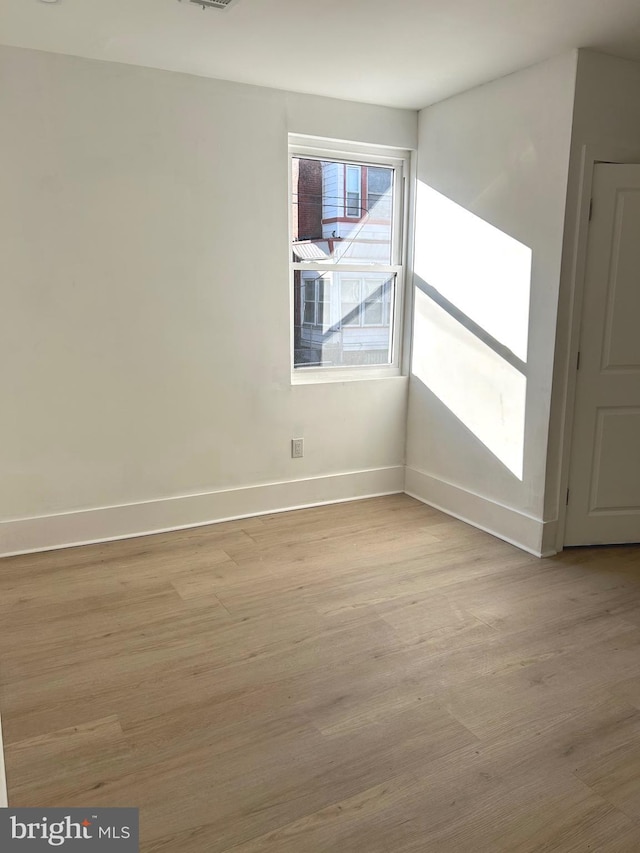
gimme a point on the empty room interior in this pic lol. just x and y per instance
(320, 457)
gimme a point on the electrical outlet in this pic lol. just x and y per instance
(297, 448)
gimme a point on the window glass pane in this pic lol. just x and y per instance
(306, 200)
(379, 192)
(375, 294)
(309, 306)
(324, 290)
(379, 179)
(331, 222)
(350, 313)
(323, 311)
(316, 300)
(353, 178)
(349, 301)
(386, 313)
(350, 289)
(373, 289)
(372, 314)
(353, 204)
(361, 336)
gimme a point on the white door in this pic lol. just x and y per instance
(604, 479)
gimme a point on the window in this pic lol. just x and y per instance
(346, 258)
(353, 180)
(315, 292)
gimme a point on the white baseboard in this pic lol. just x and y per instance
(513, 526)
(44, 533)
(84, 527)
(550, 545)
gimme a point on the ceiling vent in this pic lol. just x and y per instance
(212, 4)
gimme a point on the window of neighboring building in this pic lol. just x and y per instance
(346, 257)
(353, 190)
(366, 301)
(316, 299)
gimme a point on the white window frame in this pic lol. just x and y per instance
(352, 154)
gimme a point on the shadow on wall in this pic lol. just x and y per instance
(471, 316)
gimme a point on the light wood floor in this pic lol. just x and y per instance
(357, 678)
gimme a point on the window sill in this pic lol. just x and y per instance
(312, 376)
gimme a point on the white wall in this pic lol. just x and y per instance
(500, 154)
(144, 331)
(606, 126)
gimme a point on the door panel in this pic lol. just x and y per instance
(604, 480)
(616, 476)
(622, 341)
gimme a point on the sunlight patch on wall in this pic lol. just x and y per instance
(485, 392)
(471, 322)
(480, 269)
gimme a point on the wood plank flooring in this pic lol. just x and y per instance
(371, 677)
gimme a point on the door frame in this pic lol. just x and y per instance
(590, 156)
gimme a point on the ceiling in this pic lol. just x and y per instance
(402, 53)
